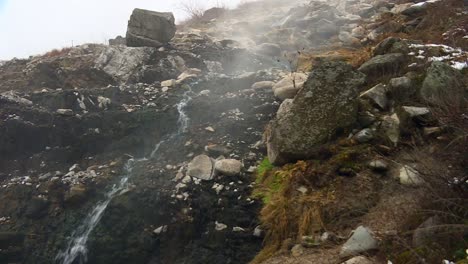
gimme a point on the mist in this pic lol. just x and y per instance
(32, 27)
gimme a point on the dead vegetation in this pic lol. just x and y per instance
(57, 52)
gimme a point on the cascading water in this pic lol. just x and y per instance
(76, 251)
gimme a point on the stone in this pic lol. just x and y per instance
(401, 88)
(238, 229)
(284, 108)
(297, 250)
(326, 104)
(220, 226)
(378, 96)
(384, 46)
(150, 29)
(201, 167)
(65, 112)
(228, 167)
(364, 135)
(288, 87)
(210, 129)
(168, 83)
(361, 240)
(258, 232)
(409, 176)
(414, 111)
(359, 260)
(268, 49)
(383, 64)
(442, 84)
(263, 85)
(122, 62)
(391, 128)
(160, 230)
(118, 41)
(378, 165)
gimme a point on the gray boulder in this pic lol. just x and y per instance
(228, 167)
(442, 84)
(150, 29)
(268, 49)
(326, 104)
(201, 167)
(378, 95)
(383, 64)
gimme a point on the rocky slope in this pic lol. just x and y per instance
(116, 154)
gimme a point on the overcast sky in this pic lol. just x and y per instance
(30, 27)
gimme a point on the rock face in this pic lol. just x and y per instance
(149, 28)
(326, 104)
(442, 83)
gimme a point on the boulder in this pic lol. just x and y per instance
(442, 84)
(378, 96)
(118, 41)
(228, 167)
(364, 135)
(288, 87)
(362, 240)
(201, 167)
(325, 105)
(383, 64)
(65, 112)
(427, 232)
(150, 29)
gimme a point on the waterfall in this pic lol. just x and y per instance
(76, 251)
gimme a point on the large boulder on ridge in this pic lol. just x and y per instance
(325, 105)
(150, 29)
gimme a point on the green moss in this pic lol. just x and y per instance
(262, 169)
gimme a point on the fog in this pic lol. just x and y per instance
(30, 27)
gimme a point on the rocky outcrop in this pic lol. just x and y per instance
(325, 105)
(150, 29)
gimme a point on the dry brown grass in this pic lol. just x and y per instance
(57, 52)
(355, 57)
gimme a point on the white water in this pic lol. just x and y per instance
(77, 251)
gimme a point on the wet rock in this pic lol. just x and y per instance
(409, 176)
(442, 84)
(160, 230)
(65, 112)
(288, 87)
(326, 104)
(149, 28)
(228, 167)
(383, 64)
(364, 135)
(361, 240)
(201, 167)
(217, 150)
(378, 95)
